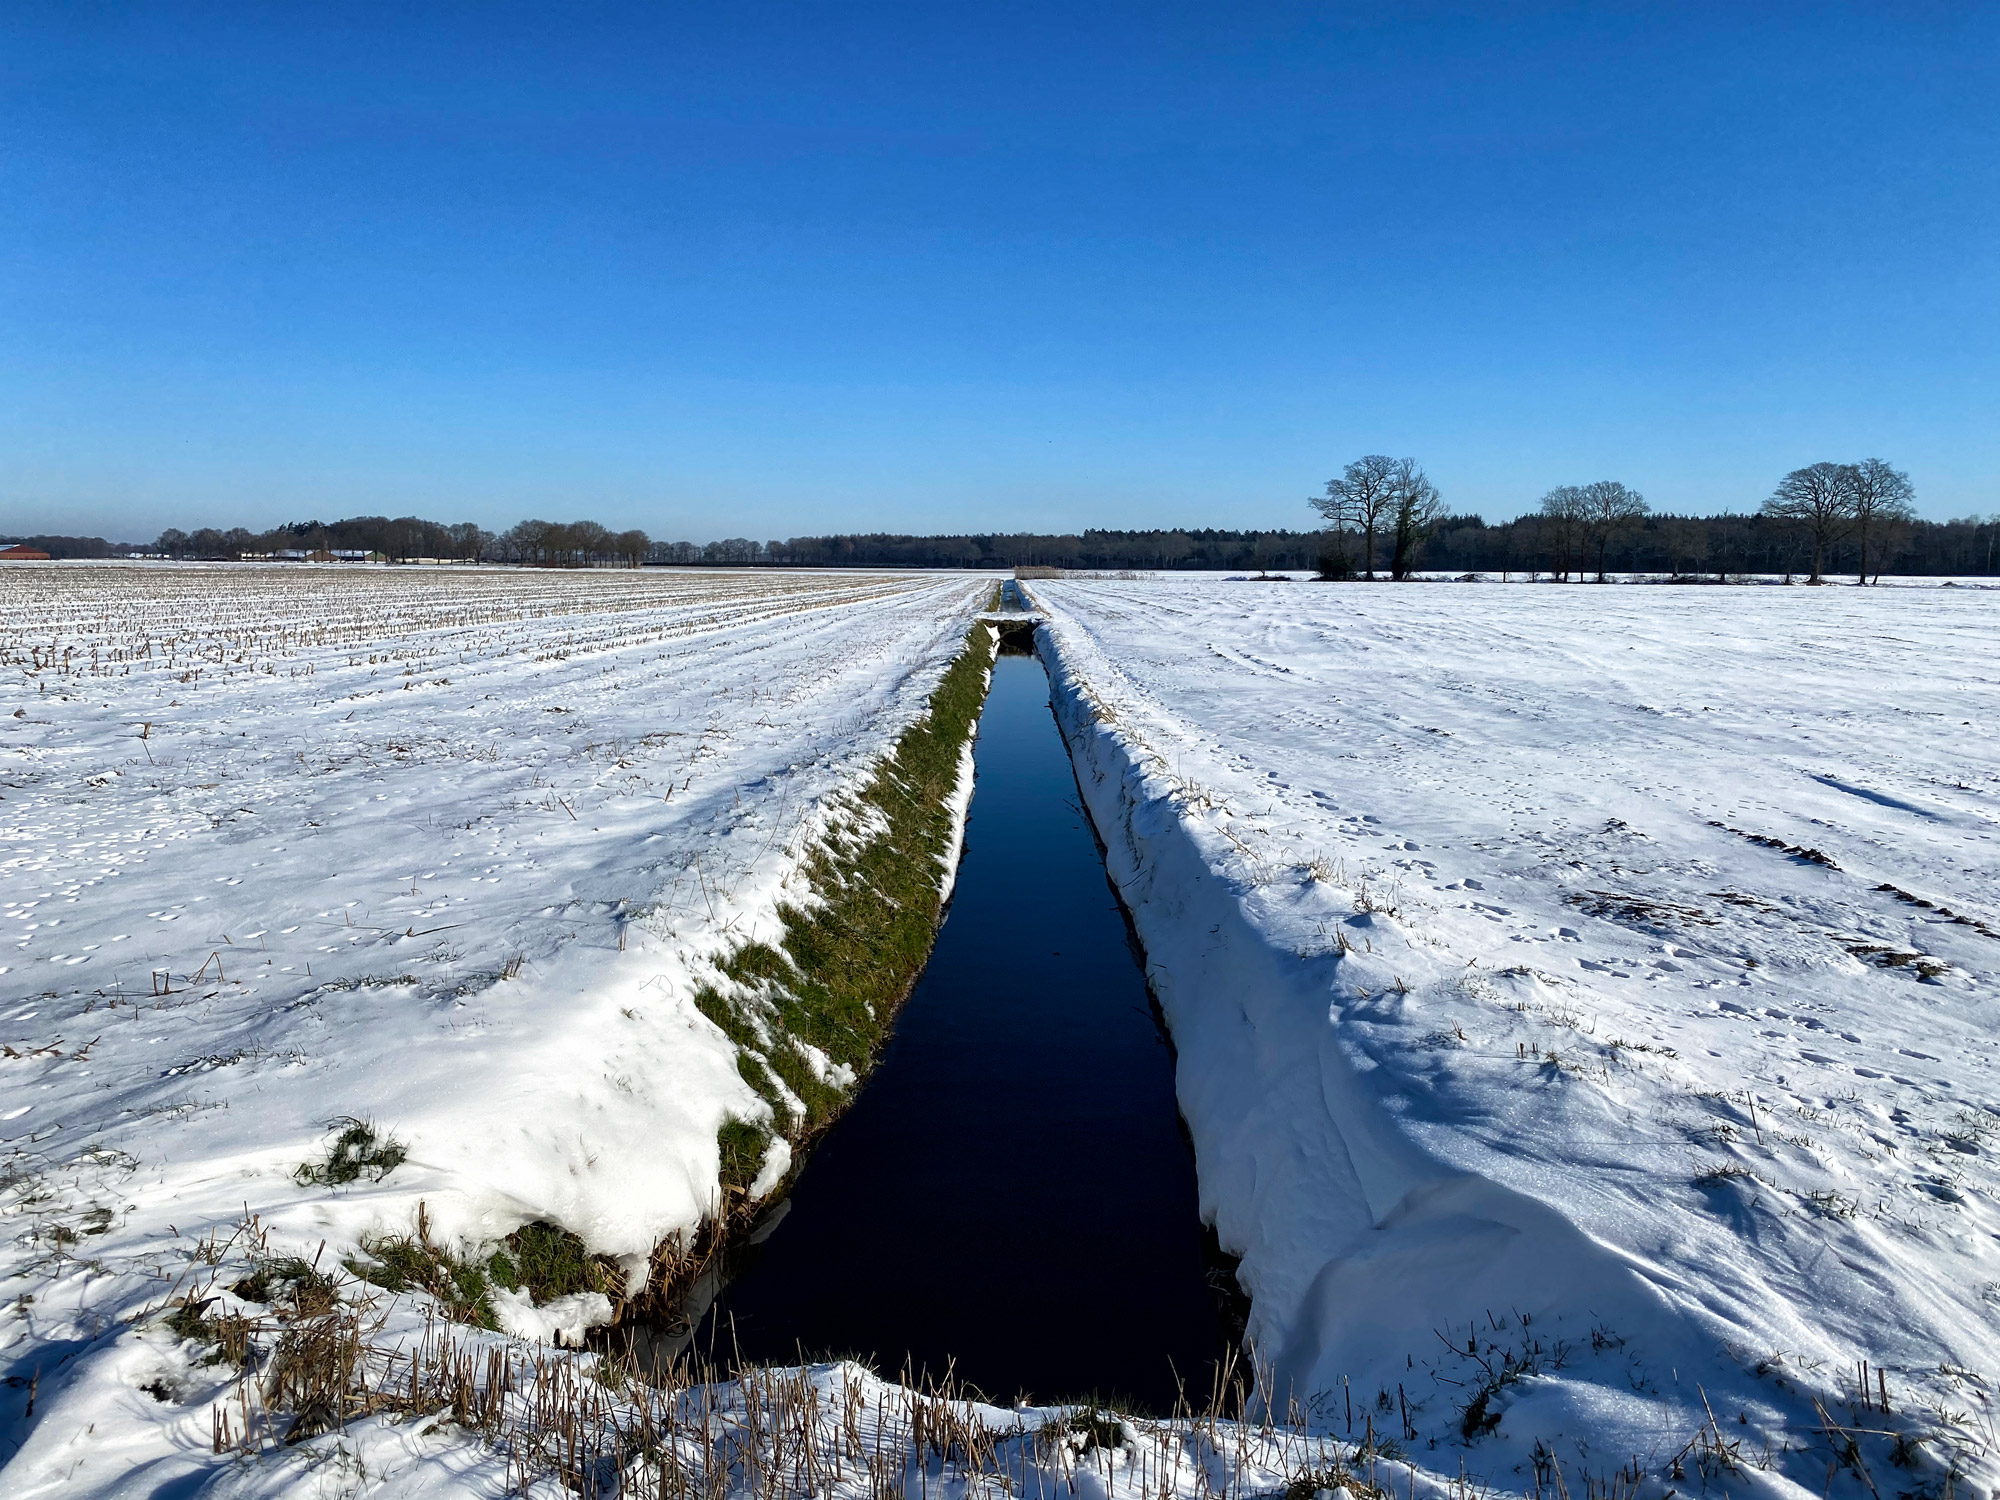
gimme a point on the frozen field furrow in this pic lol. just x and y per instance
(1584, 997)
(447, 850)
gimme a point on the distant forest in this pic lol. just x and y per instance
(1677, 546)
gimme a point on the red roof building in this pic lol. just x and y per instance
(22, 554)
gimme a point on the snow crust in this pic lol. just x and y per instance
(1583, 999)
(560, 1320)
(448, 850)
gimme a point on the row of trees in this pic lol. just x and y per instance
(571, 544)
(1869, 502)
(1716, 547)
(586, 544)
(552, 544)
(402, 538)
(1382, 514)
(1093, 549)
(1587, 518)
(1815, 512)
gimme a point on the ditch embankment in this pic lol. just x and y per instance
(1011, 1197)
(809, 1014)
(1007, 1197)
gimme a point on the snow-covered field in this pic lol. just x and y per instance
(1585, 1001)
(444, 849)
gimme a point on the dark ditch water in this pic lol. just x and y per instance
(1011, 1196)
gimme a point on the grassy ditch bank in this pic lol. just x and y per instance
(808, 1016)
(810, 1013)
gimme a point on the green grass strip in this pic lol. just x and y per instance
(841, 971)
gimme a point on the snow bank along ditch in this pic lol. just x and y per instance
(1584, 1008)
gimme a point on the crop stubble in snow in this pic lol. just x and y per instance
(1584, 996)
(449, 850)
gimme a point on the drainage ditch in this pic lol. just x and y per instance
(1011, 1196)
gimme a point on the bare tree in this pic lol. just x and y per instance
(468, 540)
(1820, 499)
(1725, 540)
(588, 541)
(1562, 512)
(1336, 558)
(1416, 508)
(1881, 497)
(527, 541)
(1363, 499)
(1609, 508)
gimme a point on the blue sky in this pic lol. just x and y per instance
(767, 270)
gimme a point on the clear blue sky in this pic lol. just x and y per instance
(763, 270)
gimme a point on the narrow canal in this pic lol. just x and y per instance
(1011, 1195)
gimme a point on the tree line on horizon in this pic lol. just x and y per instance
(1383, 515)
(402, 539)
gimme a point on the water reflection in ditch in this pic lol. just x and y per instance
(1012, 1193)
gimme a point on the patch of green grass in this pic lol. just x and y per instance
(1083, 1428)
(743, 1147)
(711, 1003)
(416, 1263)
(750, 1066)
(229, 1334)
(821, 1099)
(836, 979)
(357, 1151)
(1311, 1483)
(547, 1261)
(292, 1280)
(542, 1259)
(189, 1319)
